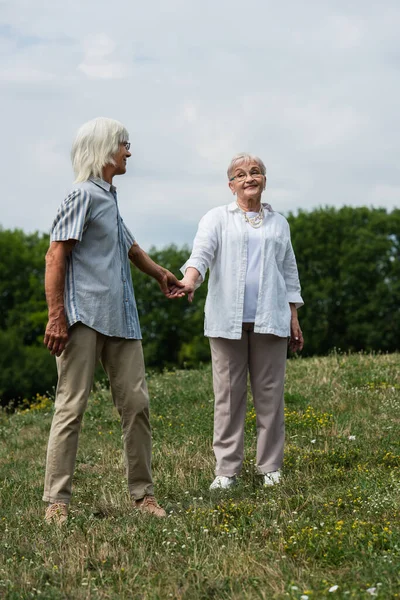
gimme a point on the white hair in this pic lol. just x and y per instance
(243, 157)
(95, 145)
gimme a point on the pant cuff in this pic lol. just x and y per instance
(56, 500)
(139, 493)
(268, 468)
(227, 473)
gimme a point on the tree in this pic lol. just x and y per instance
(349, 268)
(26, 368)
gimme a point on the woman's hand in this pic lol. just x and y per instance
(188, 287)
(189, 282)
(296, 342)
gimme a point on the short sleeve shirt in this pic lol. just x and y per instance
(98, 283)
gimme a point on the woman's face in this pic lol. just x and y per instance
(247, 181)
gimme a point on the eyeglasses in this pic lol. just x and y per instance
(242, 176)
(127, 145)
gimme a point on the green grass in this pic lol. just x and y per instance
(334, 521)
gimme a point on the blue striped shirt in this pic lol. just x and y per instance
(98, 283)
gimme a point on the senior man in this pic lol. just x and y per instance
(93, 316)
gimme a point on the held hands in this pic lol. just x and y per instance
(170, 286)
(173, 288)
(56, 335)
(186, 285)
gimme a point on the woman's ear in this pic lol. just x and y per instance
(232, 187)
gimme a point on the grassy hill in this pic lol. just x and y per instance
(330, 530)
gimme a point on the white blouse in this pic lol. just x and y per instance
(252, 284)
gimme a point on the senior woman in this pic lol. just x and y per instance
(250, 312)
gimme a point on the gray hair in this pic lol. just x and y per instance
(95, 145)
(244, 157)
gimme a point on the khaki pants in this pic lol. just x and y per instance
(264, 357)
(123, 362)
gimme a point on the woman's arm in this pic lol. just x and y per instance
(204, 248)
(291, 277)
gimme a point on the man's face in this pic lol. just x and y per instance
(121, 157)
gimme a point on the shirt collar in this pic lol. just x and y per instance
(103, 184)
(233, 206)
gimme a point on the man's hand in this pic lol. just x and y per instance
(56, 334)
(170, 286)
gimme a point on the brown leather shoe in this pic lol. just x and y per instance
(56, 513)
(149, 505)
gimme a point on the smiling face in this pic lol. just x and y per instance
(247, 181)
(120, 158)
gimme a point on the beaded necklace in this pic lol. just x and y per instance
(256, 221)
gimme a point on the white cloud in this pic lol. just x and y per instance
(98, 60)
(47, 156)
(190, 113)
(24, 74)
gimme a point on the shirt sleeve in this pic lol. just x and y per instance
(204, 246)
(291, 276)
(72, 217)
(129, 238)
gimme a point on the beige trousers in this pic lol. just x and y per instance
(264, 357)
(123, 362)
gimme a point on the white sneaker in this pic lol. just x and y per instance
(272, 478)
(222, 483)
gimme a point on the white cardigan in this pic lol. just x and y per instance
(221, 245)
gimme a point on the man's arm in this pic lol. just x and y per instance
(56, 334)
(167, 281)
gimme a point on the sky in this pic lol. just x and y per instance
(313, 88)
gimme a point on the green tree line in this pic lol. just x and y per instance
(349, 266)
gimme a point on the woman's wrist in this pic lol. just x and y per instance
(191, 276)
